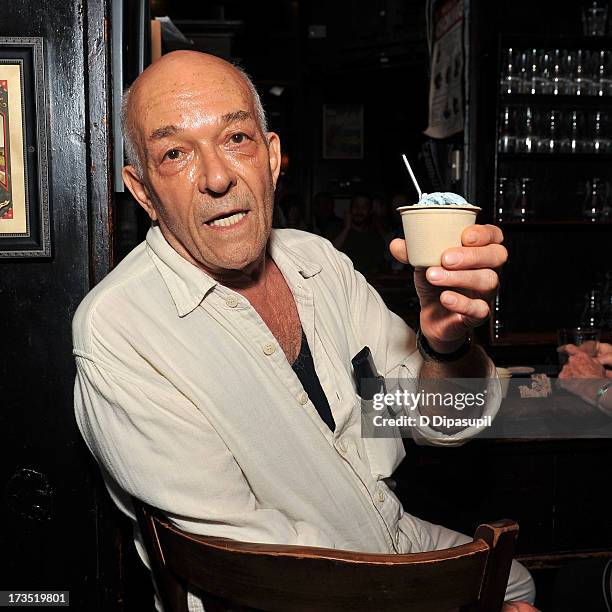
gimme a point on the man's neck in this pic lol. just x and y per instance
(250, 280)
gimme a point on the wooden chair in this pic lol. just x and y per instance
(231, 576)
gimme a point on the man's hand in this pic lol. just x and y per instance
(470, 271)
(581, 365)
(604, 356)
(582, 375)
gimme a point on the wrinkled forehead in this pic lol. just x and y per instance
(189, 101)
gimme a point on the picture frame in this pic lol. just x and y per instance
(24, 188)
(343, 131)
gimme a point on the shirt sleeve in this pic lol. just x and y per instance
(155, 445)
(395, 354)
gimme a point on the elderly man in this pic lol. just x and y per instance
(214, 376)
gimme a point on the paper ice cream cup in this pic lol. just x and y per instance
(430, 230)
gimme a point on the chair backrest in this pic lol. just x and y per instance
(232, 575)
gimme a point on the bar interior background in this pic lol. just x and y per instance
(536, 159)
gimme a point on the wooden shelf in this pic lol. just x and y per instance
(567, 224)
(535, 338)
(573, 102)
(557, 42)
(555, 157)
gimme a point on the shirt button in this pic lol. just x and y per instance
(268, 348)
(380, 496)
(231, 301)
(303, 398)
(342, 445)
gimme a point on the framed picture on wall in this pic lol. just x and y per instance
(24, 190)
(342, 131)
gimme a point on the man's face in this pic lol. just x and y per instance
(209, 171)
(361, 207)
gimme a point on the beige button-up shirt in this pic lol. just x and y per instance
(188, 402)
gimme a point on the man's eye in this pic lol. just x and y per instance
(172, 154)
(238, 138)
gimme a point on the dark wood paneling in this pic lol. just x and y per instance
(47, 508)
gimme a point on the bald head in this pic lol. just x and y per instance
(176, 77)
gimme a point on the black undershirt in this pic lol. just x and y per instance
(304, 368)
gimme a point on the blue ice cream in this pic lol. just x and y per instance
(443, 198)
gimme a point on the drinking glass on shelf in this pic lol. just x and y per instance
(606, 302)
(546, 69)
(503, 199)
(572, 140)
(524, 66)
(602, 73)
(591, 310)
(510, 78)
(599, 132)
(594, 18)
(557, 73)
(498, 323)
(539, 71)
(507, 130)
(583, 80)
(596, 192)
(550, 135)
(526, 131)
(521, 208)
(569, 72)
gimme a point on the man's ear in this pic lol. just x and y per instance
(139, 191)
(274, 152)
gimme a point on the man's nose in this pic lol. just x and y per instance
(216, 174)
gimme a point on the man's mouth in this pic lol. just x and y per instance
(227, 220)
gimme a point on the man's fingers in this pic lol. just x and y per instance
(474, 258)
(481, 235)
(480, 281)
(398, 250)
(570, 349)
(604, 348)
(605, 359)
(474, 312)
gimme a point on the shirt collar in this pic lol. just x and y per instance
(279, 250)
(188, 285)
